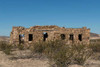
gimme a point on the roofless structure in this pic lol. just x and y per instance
(22, 35)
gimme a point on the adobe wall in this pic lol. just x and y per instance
(54, 32)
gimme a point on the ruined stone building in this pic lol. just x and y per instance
(44, 33)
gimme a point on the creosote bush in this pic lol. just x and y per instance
(63, 54)
(6, 48)
(20, 46)
(81, 53)
(95, 47)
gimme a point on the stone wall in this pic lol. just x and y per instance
(43, 33)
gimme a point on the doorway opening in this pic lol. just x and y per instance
(80, 37)
(45, 36)
(21, 38)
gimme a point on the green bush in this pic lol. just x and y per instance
(6, 48)
(54, 50)
(20, 46)
(58, 52)
(81, 53)
(95, 47)
(63, 54)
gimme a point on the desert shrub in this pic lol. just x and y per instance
(20, 46)
(95, 41)
(81, 53)
(38, 47)
(5, 47)
(54, 50)
(63, 54)
(58, 52)
(95, 47)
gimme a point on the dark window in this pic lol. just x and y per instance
(88, 38)
(62, 36)
(71, 37)
(45, 36)
(80, 37)
(19, 37)
(30, 37)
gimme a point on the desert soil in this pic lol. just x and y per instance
(21, 60)
(26, 59)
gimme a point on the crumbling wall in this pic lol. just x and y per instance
(36, 34)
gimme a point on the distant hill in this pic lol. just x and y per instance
(4, 38)
(94, 35)
(99, 35)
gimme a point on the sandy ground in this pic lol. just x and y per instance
(93, 61)
(89, 63)
(24, 59)
(6, 61)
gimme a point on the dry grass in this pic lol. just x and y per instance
(95, 45)
(58, 52)
(63, 54)
(5, 47)
(81, 53)
(20, 46)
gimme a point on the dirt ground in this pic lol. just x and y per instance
(21, 60)
(93, 61)
(26, 59)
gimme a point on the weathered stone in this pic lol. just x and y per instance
(44, 33)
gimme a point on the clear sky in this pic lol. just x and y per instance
(67, 13)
